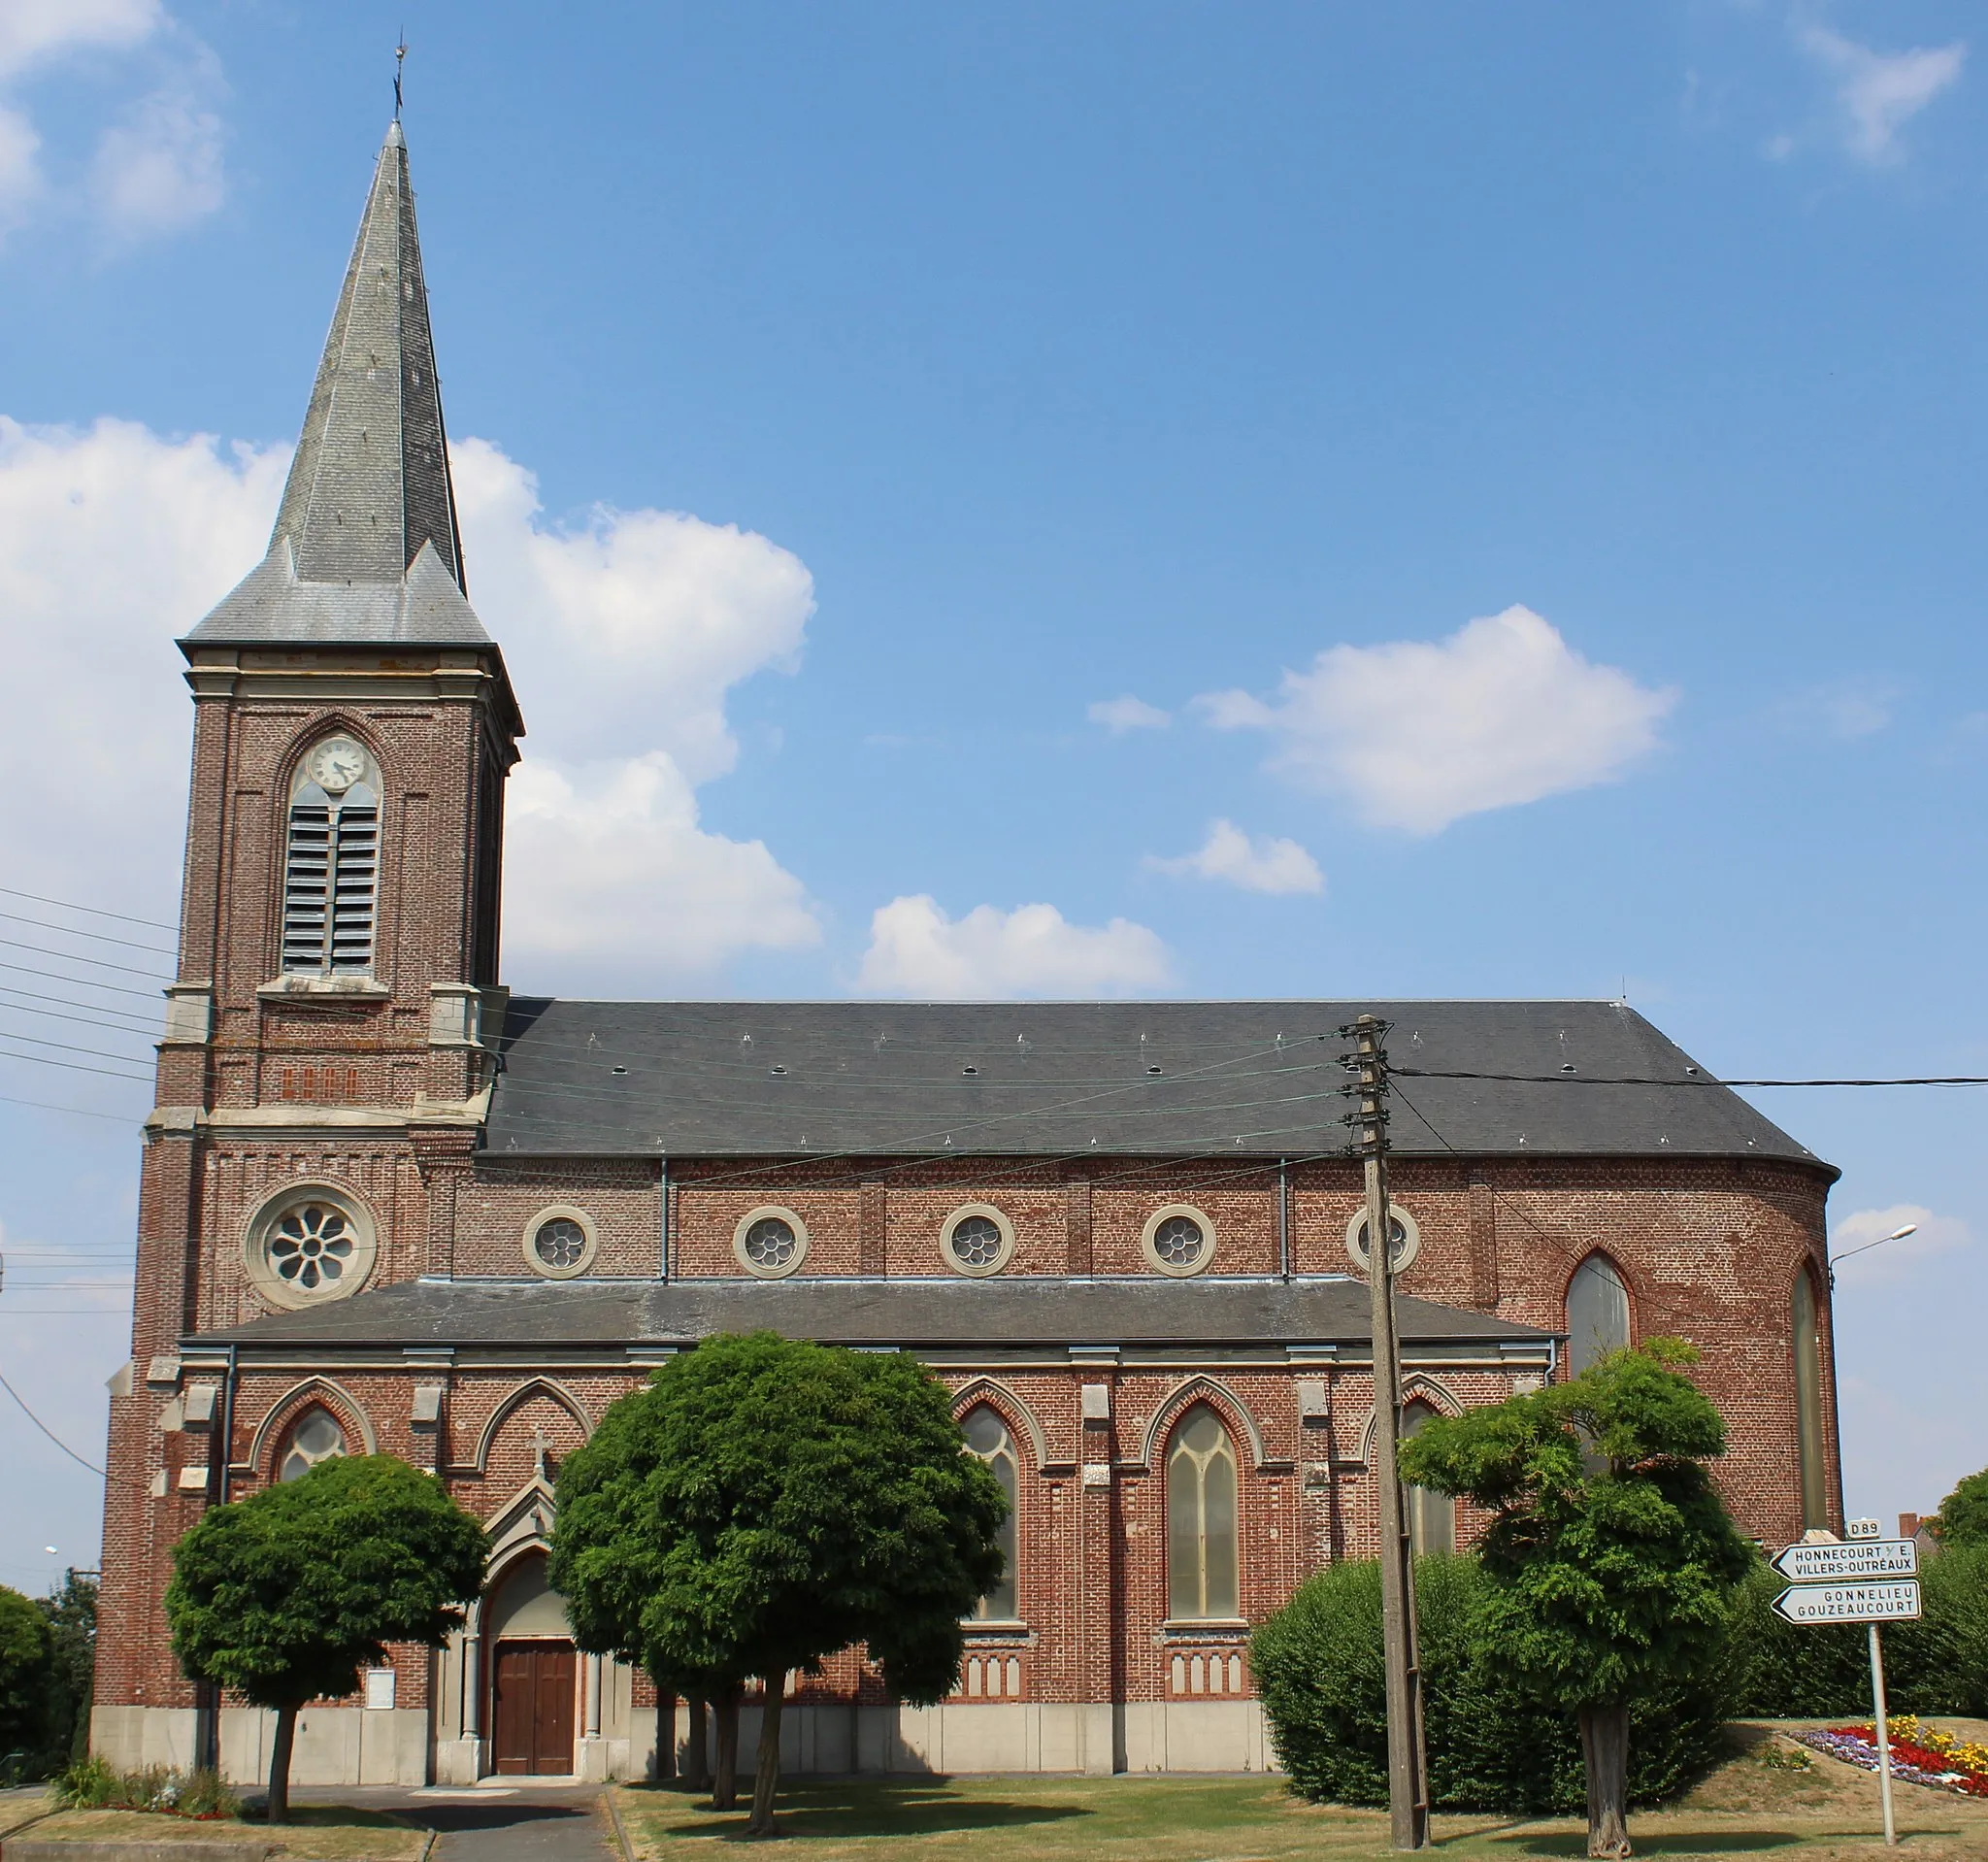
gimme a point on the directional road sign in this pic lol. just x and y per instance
(1831, 1562)
(1882, 1603)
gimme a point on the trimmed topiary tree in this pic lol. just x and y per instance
(1610, 1558)
(764, 1503)
(285, 1596)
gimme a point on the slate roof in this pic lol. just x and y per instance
(755, 1079)
(1016, 1310)
(365, 548)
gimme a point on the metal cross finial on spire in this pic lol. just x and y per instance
(400, 57)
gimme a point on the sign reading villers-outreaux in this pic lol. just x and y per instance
(1825, 1590)
(1834, 1562)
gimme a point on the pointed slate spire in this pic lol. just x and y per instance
(366, 547)
(370, 482)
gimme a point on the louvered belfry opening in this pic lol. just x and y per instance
(356, 865)
(307, 885)
(331, 862)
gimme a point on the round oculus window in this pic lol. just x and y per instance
(560, 1242)
(771, 1243)
(1178, 1240)
(1405, 1237)
(976, 1240)
(307, 1243)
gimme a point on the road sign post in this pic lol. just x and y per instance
(1891, 1833)
(1864, 1580)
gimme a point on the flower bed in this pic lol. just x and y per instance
(1919, 1755)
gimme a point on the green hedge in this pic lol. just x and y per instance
(1318, 1669)
(1936, 1664)
(1491, 1748)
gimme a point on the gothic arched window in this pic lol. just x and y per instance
(1432, 1516)
(315, 1437)
(1201, 1521)
(988, 1438)
(1808, 1331)
(1597, 1313)
(331, 861)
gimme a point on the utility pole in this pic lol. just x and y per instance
(1408, 1763)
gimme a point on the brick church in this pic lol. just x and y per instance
(387, 1205)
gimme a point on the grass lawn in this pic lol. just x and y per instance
(320, 1832)
(1827, 1813)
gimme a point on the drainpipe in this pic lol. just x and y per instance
(223, 1452)
(1284, 1217)
(668, 1238)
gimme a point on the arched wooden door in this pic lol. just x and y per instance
(532, 1696)
(533, 1676)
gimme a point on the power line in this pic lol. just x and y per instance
(53, 1436)
(71, 1066)
(77, 1112)
(70, 1047)
(71, 956)
(79, 983)
(72, 931)
(1703, 1080)
(66, 905)
(140, 1029)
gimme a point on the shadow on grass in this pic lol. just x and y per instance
(1690, 1843)
(846, 1809)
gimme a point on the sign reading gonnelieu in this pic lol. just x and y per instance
(1814, 1564)
(1849, 1603)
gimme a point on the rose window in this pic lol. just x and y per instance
(772, 1244)
(977, 1241)
(560, 1243)
(310, 1245)
(1178, 1240)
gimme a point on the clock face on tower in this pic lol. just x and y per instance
(336, 764)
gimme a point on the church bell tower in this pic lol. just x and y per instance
(324, 1073)
(355, 726)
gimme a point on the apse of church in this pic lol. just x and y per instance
(387, 1206)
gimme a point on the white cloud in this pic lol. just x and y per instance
(1878, 92)
(1263, 865)
(1418, 734)
(916, 951)
(160, 169)
(1127, 714)
(20, 174)
(623, 639)
(1937, 1235)
(1845, 711)
(39, 31)
(627, 631)
(112, 540)
(614, 876)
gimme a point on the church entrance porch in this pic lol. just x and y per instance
(531, 1707)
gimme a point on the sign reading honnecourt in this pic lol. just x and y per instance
(1832, 1562)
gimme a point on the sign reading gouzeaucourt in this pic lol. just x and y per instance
(1850, 1603)
(1824, 1590)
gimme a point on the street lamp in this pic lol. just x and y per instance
(1898, 1234)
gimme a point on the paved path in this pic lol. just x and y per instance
(491, 1823)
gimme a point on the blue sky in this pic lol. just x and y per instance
(1522, 462)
